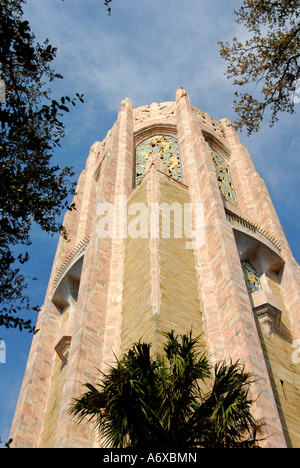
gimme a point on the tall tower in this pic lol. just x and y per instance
(195, 243)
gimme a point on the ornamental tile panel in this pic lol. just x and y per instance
(251, 278)
(166, 147)
(224, 178)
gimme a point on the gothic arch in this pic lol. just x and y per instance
(163, 146)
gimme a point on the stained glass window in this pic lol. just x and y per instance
(251, 278)
(166, 148)
(224, 178)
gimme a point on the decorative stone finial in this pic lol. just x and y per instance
(269, 317)
(226, 122)
(180, 93)
(126, 103)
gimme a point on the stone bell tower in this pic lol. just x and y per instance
(230, 274)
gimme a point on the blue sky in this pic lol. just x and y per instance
(145, 51)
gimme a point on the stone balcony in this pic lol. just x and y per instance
(242, 223)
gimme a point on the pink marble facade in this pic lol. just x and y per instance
(95, 323)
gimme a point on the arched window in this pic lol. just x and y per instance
(224, 178)
(164, 146)
(251, 277)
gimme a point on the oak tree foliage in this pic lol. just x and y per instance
(32, 189)
(266, 62)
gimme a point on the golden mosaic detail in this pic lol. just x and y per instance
(224, 178)
(251, 278)
(166, 148)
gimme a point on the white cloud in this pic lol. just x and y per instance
(145, 51)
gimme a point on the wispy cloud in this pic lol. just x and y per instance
(145, 51)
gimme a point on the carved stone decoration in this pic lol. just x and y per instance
(126, 103)
(226, 123)
(164, 147)
(267, 309)
(155, 160)
(268, 316)
(224, 178)
(209, 124)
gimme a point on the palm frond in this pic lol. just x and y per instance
(157, 401)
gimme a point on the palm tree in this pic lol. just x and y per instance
(162, 401)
